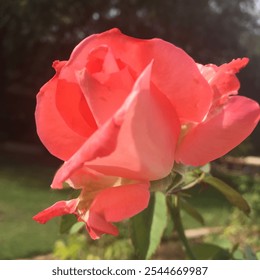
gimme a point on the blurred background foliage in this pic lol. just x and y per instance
(33, 33)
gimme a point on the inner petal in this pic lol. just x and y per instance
(105, 82)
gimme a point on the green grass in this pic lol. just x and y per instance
(24, 191)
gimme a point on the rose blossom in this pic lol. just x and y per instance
(122, 110)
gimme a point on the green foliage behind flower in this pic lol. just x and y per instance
(242, 232)
(79, 246)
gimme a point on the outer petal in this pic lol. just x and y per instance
(73, 108)
(100, 144)
(222, 79)
(58, 209)
(96, 225)
(175, 73)
(221, 133)
(116, 204)
(60, 120)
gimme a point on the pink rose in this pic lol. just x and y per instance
(122, 110)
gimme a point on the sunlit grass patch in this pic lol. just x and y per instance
(25, 191)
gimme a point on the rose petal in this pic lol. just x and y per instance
(118, 203)
(71, 103)
(58, 209)
(176, 75)
(62, 116)
(222, 79)
(215, 137)
(73, 108)
(96, 225)
(58, 138)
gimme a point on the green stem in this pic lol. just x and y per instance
(179, 226)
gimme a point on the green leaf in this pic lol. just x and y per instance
(67, 221)
(75, 228)
(174, 209)
(189, 209)
(207, 251)
(231, 195)
(148, 226)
